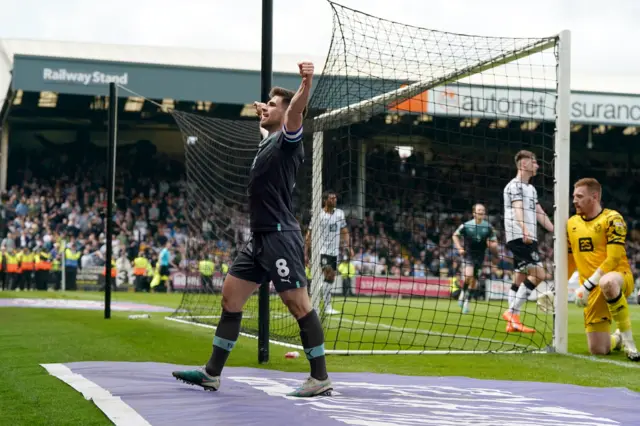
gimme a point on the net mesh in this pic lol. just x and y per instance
(412, 127)
(218, 157)
(415, 126)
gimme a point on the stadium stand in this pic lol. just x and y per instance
(50, 199)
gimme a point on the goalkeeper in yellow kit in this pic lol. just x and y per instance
(596, 242)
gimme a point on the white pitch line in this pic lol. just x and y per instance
(629, 364)
(427, 332)
(120, 413)
(364, 323)
(213, 327)
(210, 317)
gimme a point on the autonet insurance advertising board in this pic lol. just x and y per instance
(239, 87)
(525, 104)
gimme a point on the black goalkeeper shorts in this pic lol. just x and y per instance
(272, 256)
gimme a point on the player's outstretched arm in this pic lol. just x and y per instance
(543, 219)
(293, 117)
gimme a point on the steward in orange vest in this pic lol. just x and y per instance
(140, 270)
(43, 269)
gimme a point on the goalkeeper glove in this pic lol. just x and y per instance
(582, 293)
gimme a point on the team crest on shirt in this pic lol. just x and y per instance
(333, 227)
(619, 227)
(598, 228)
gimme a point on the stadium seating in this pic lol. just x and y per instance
(51, 198)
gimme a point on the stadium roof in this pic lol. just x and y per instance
(158, 55)
(222, 76)
(226, 77)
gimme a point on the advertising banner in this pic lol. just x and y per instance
(514, 103)
(403, 286)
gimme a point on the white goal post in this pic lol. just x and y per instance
(364, 110)
(561, 196)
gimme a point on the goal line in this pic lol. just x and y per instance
(524, 349)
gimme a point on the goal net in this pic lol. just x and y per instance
(412, 128)
(409, 128)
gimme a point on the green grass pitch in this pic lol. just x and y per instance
(29, 337)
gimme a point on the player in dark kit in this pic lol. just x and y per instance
(276, 250)
(471, 239)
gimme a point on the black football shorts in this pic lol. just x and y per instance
(272, 256)
(524, 255)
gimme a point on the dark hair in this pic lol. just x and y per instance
(286, 95)
(326, 194)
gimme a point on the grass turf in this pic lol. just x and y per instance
(28, 395)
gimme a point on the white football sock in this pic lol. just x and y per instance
(627, 340)
(521, 297)
(512, 297)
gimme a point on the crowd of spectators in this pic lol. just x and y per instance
(413, 206)
(61, 196)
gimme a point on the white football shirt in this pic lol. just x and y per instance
(517, 190)
(330, 225)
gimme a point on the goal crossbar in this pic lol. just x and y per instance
(363, 110)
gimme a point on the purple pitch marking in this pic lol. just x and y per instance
(251, 396)
(79, 304)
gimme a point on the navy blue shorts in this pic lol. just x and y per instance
(524, 255)
(272, 256)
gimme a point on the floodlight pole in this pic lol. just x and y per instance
(266, 71)
(111, 175)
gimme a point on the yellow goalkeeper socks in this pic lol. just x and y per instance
(620, 312)
(619, 309)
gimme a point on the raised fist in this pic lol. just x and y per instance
(306, 69)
